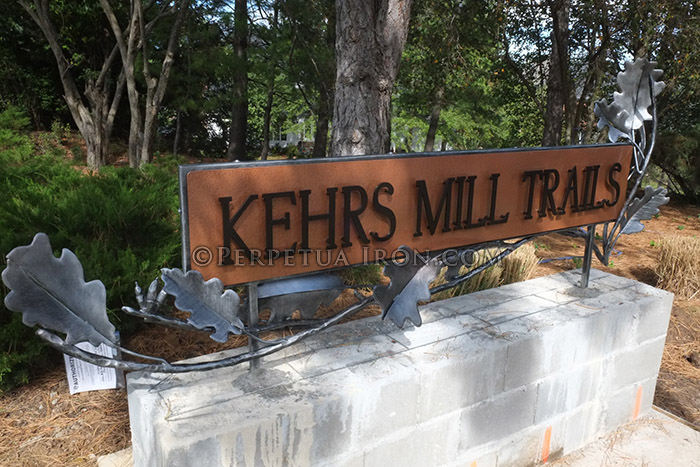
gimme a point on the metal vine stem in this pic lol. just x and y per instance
(50, 292)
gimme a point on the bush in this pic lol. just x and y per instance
(678, 268)
(122, 224)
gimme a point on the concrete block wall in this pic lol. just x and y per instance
(511, 376)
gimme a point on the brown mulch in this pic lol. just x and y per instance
(41, 424)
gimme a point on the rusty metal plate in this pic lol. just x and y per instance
(244, 222)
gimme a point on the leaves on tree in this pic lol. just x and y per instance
(52, 293)
(210, 307)
(409, 285)
(630, 107)
(643, 208)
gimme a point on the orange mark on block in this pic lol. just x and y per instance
(545, 445)
(473, 464)
(637, 403)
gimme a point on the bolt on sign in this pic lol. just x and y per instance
(244, 222)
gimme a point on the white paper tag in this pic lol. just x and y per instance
(84, 376)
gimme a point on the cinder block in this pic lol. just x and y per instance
(533, 286)
(431, 443)
(621, 405)
(334, 418)
(437, 331)
(498, 417)
(653, 322)
(532, 445)
(583, 425)
(352, 460)
(512, 309)
(613, 330)
(380, 409)
(637, 364)
(328, 359)
(535, 356)
(456, 390)
(454, 383)
(560, 296)
(204, 452)
(462, 304)
(473, 458)
(565, 392)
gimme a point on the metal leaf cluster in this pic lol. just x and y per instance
(52, 293)
(630, 106)
(644, 208)
(409, 285)
(210, 307)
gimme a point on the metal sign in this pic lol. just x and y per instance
(425, 213)
(246, 222)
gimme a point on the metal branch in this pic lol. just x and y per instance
(58, 343)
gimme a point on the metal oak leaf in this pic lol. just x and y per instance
(644, 208)
(52, 293)
(210, 307)
(409, 284)
(630, 107)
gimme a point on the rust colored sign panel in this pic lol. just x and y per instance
(246, 222)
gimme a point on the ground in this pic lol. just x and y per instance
(41, 424)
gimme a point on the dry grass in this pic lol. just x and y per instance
(678, 269)
(519, 265)
(516, 267)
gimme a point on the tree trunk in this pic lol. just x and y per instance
(558, 81)
(239, 118)
(434, 118)
(143, 122)
(322, 120)
(264, 151)
(94, 121)
(326, 95)
(370, 36)
(178, 129)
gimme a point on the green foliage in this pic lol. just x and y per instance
(121, 223)
(678, 155)
(445, 73)
(13, 145)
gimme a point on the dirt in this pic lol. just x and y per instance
(41, 424)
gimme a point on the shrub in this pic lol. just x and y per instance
(678, 268)
(121, 223)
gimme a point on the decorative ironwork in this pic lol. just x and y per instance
(51, 293)
(409, 285)
(625, 119)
